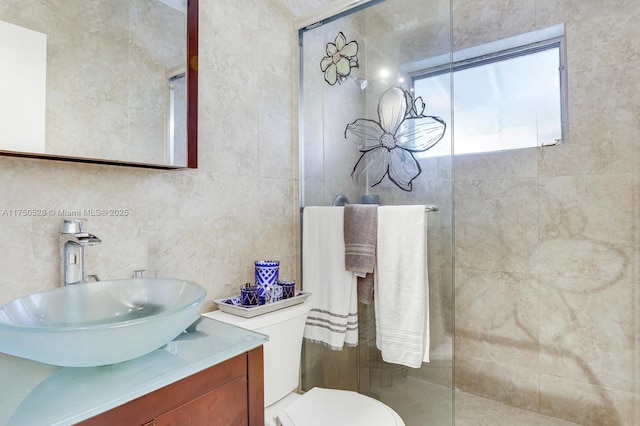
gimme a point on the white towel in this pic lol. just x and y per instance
(333, 320)
(401, 286)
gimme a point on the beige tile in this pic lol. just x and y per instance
(340, 156)
(433, 186)
(497, 317)
(313, 148)
(146, 143)
(404, 43)
(586, 227)
(304, 8)
(587, 404)
(442, 306)
(515, 163)
(580, 11)
(275, 53)
(582, 337)
(31, 245)
(199, 237)
(228, 131)
(514, 386)
(220, 31)
(108, 121)
(475, 25)
(598, 38)
(276, 151)
(496, 224)
(473, 410)
(604, 119)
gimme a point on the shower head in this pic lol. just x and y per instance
(360, 82)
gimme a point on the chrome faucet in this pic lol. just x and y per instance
(73, 239)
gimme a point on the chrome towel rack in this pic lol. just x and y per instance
(427, 209)
(342, 200)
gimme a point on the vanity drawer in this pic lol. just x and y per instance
(230, 393)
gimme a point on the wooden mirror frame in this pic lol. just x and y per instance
(192, 84)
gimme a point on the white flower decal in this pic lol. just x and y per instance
(341, 57)
(387, 145)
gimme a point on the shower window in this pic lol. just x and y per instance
(507, 99)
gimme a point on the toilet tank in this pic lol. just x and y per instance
(282, 352)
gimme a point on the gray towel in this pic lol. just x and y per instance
(360, 235)
(365, 289)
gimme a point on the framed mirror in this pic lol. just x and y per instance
(100, 81)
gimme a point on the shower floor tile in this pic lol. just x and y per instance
(421, 403)
(472, 410)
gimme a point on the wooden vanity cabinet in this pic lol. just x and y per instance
(230, 393)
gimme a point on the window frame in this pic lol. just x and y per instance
(496, 51)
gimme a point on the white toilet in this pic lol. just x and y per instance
(318, 406)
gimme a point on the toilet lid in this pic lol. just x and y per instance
(321, 407)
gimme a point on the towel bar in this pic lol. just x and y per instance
(427, 209)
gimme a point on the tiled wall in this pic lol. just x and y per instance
(206, 225)
(547, 266)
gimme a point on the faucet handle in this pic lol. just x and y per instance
(75, 226)
(138, 273)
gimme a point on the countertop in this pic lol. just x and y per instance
(32, 393)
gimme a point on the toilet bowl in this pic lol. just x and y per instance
(321, 407)
(318, 406)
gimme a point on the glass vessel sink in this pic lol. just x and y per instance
(106, 322)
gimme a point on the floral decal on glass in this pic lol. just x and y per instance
(387, 145)
(341, 57)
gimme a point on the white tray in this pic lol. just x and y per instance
(251, 311)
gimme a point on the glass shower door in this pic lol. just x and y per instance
(365, 131)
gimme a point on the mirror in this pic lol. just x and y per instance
(100, 81)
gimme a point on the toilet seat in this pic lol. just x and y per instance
(321, 407)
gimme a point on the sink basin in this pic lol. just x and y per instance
(106, 322)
